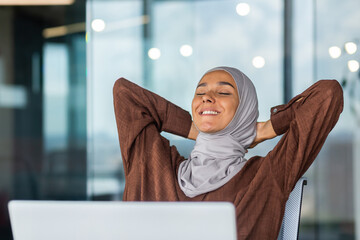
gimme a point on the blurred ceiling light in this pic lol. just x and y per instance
(258, 62)
(98, 25)
(63, 30)
(334, 52)
(243, 9)
(35, 2)
(154, 53)
(353, 65)
(186, 50)
(350, 48)
(127, 23)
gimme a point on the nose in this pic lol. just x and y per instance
(208, 98)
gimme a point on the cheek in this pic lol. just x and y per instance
(232, 107)
(235, 105)
(194, 105)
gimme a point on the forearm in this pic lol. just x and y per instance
(305, 122)
(283, 115)
(267, 130)
(264, 131)
(137, 108)
(305, 107)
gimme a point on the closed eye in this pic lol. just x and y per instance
(224, 93)
(200, 94)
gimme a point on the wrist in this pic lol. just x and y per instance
(268, 130)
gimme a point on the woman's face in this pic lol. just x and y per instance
(215, 102)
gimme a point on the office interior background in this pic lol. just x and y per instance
(60, 58)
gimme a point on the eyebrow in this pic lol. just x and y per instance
(219, 83)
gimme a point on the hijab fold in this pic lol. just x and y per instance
(219, 156)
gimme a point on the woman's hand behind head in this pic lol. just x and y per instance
(264, 131)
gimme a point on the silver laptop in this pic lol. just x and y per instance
(66, 220)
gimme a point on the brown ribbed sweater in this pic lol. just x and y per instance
(260, 190)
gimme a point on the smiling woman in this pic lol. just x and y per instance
(225, 113)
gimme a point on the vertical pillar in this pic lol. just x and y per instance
(147, 43)
(287, 50)
(356, 180)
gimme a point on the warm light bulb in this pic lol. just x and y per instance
(258, 62)
(154, 53)
(350, 48)
(353, 65)
(243, 9)
(334, 52)
(186, 50)
(98, 25)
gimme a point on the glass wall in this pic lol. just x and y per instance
(326, 38)
(42, 103)
(166, 46)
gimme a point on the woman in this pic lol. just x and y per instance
(225, 112)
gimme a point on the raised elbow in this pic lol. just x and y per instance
(119, 84)
(333, 92)
(332, 88)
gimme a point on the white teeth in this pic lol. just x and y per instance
(209, 112)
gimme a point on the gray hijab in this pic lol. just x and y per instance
(217, 157)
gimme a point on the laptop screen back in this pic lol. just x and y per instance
(59, 220)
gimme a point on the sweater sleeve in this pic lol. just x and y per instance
(305, 122)
(137, 108)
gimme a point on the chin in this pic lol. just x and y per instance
(208, 126)
(208, 129)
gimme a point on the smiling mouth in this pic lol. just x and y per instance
(209, 113)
